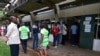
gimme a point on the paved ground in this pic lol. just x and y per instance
(67, 50)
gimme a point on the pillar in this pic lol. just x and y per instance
(20, 19)
(33, 18)
(57, 13)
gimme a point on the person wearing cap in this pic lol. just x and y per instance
(12, 35)
(24, 34)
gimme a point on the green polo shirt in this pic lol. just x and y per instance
(24, 32)
(45, 38)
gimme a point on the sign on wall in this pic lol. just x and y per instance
(87, 24)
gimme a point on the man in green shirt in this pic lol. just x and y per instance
(24, 34)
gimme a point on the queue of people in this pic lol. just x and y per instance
(16, 36)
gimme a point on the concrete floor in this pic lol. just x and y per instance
(67, 50)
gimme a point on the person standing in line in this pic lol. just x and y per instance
(44, 41)
(46, 26)
(35, 36)
(13, 39)
(55, 31)
(59, 33)
(74, 33)
(24, 35)
(64, 33)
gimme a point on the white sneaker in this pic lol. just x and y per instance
(55, 47)
(73, 45)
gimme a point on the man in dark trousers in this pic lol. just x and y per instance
(74, 29)
(64, 34)
(24, 35)
(35, 36)
(12, 35)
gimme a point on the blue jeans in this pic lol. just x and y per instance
(59, 38)
(35, 41)
(55, 41)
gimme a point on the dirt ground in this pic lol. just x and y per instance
(67, 50)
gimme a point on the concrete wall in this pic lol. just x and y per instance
(26, 18)
(81, 10)
(48, 15)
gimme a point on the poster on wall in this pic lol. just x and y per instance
(88, 28)
(88, 18)
(87, 24)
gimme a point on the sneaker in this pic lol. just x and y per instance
(55, 47)
(73, 45)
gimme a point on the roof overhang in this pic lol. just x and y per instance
(33, 6)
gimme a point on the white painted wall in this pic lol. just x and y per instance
(96, 45)
(81, 10)
(43, 16)
(26, 18)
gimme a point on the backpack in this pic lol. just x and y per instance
(55, 30)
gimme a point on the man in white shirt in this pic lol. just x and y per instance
(64, 34)
(13, 36)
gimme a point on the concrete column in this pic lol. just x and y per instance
(20, 19)
(32, 20)
(32, 16)
(57, 14)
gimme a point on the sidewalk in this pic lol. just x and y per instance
(67, 50)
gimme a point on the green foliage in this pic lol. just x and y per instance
(1, 14)
(4, 49)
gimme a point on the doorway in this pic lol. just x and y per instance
(69, 22)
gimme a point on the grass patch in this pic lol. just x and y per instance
(4, 49)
